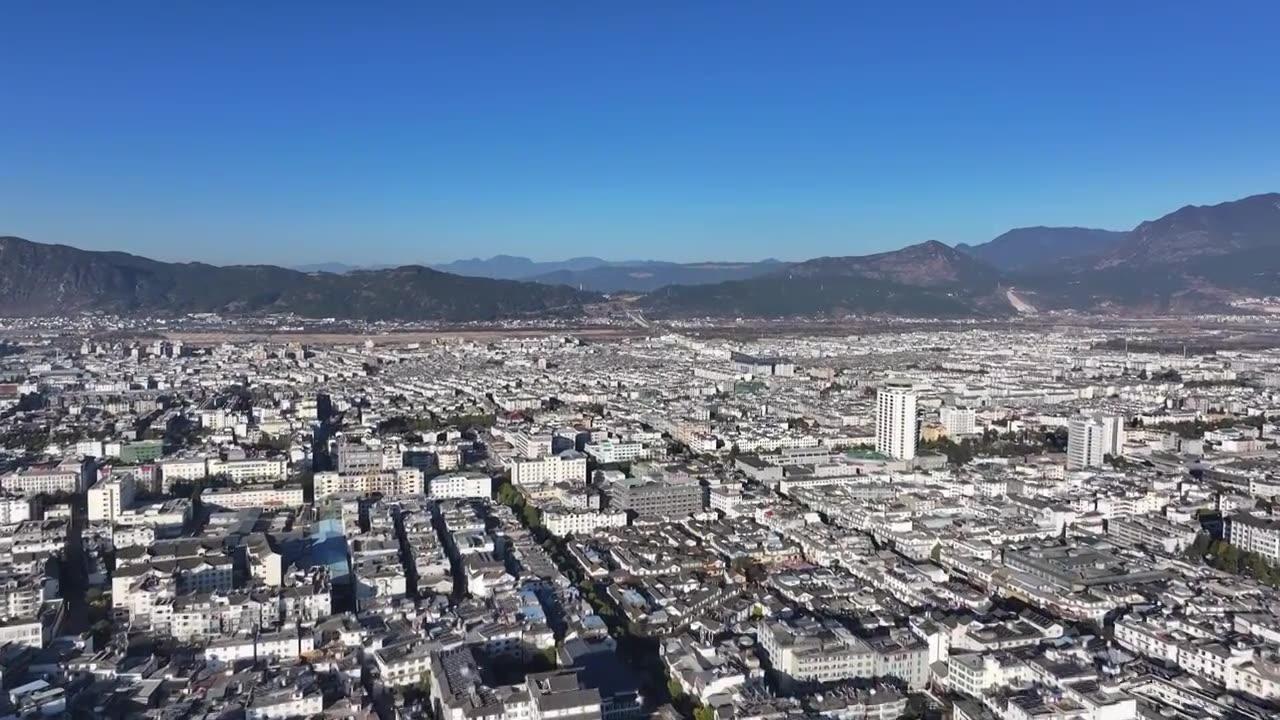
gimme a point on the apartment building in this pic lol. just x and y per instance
(250, 469)
(249, 496)
(958, 422)
(617, 451)
(897, 420)
(14, 508)
(111, 496)
(655, 497)
(809, 650)
(531, 444)
(460, 485)
(562, 521)
(389, 483)
(569, 466)
(68, 476)
(1255, 534)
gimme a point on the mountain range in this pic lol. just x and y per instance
(1195, 259)
(39, 279)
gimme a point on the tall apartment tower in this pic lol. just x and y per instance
(1090, 438)
(897, 423)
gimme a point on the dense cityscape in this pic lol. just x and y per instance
(1011, 521)
(639, 361)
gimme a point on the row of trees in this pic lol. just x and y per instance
(992, 443)
(508, 495)
(1197, 428)
(1222, 555)
(431, 423)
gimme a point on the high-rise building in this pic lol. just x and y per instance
(897, 422)
(1090, 438)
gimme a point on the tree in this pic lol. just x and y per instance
(532, 518)
(508, 495)
(750, 569)
(704, 712)
(674, 690)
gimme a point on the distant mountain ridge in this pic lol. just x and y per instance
(928, 279)
(1194, 259)
(38, 279)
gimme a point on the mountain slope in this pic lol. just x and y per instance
(927, 280)
(1198, 231)
(649, 276)
(38, 279)
(1038, 247)
(1195, 259)
(928, 264)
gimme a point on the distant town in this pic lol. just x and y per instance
(280, 518)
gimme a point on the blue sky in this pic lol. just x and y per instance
(401, 132)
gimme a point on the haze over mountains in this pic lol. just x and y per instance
(587, 273)
(1197, 258)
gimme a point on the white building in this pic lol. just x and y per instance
(531, 444)
(182, 470)
(250, 469)
(28, 632)
(957, 421)
(65, 477)
(251, 496)
(609, 451)
(568, 466)
(1255, 534)
(111, 496)
(460, 485)
(289, 702)
(570, 521)
(1091, 438)
(897, 421)
(826, 652)
(14, 508)
(390, 483)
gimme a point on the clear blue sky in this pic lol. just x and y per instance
(396, 132)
